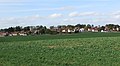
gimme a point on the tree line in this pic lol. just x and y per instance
(54, 30)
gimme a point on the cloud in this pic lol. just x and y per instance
(74, 14)
(77, 14)
(30, 20)
(66, 8)
(69, 20)
(20, 21)
(34, 10)
(94, 21)
(34, 17)
(89, 14)
(59, 18)
(115, 15)
(93, 18)
(55, 15)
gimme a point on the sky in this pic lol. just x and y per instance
(58, 12)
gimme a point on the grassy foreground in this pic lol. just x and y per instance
(98, 49)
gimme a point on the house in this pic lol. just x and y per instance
(2, 34)
(103, 31)
(89, 30)
(22, 34)
(63, 31)
(117, 29)
(96, 29)
(14, 34)
(81, 30)
(69, 31)
(93, 30)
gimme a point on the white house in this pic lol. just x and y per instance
(22, 34)
(89, 29)
(81, 30)
(117, 29)
(69, 31)
(63, 31)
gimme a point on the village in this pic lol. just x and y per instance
(61, 29)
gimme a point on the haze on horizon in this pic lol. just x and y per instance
(58, 12)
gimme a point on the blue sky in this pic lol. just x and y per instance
(58, 12)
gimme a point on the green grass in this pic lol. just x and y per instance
(64, 36)
(85, 49)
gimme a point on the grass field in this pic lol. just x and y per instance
(83, 49)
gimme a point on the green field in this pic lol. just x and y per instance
(82, 49)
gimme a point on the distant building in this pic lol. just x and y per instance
(81, 30)
(2, 34)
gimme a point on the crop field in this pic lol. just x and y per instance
(83, 49)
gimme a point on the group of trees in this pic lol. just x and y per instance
(14, 29)
(27, 29)
(51, 30)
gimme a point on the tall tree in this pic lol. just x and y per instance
(18, 28)
(80, 25)
(26, 28)
(110, 26)
(11, 29)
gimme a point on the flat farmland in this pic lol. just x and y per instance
(82, 49)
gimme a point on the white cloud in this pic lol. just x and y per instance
(94, 18)
(95, 21)
(115, 15)
(55, 15)
(20, 21)
(69, 20)
(89, 14)
(34, 17)
(76, 14)
(34, 10)
(67, 8)
(59, 18)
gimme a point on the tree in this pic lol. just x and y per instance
(6, 30)
(71, 27)
(102, 28)
(51, 27)
(26, 28)
(88, 26)
(110, 26)
(11, 29)
(39, 27)
(18, 28)
(80, 25)
(116, 26)
(42, 30)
